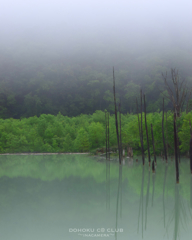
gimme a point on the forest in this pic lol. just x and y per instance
(36, 80)
(51, 102)
(86, 133)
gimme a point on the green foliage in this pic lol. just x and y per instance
(96, 135)
(49, 133)
(82, 141)
(184, 133)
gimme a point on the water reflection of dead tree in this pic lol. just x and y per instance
(191, 192)
(179, 214)
(107, 185)
(147, 198)
(118, 193)
(141, 202)
(121, 194)
(165, 177)
(153, 180)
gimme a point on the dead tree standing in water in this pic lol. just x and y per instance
(108, 137)
(176, 150)
(142, 149)
(138, 123)
(178, 92)
(116, 121)
(120, 139)
(166, 137)
(147, 131)
(106, 133)
(190, 152)
(153, 143)
(190, 147)
(165, 152)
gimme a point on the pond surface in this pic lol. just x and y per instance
(72, 197)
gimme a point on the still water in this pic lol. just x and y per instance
(72, 197)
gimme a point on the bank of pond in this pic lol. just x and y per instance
(86, 133)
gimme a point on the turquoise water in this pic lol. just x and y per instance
(74, 197)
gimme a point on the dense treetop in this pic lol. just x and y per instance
(84, 133)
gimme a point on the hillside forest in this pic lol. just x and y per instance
(54, 101)
(35, 80)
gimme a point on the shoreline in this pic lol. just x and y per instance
(40, 153)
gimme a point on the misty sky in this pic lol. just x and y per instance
(87, 22)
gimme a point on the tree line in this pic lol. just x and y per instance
(84, 133)
(48, 83)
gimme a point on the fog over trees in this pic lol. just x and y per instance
(58, 55)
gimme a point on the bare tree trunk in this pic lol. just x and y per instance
(190, 151)
(108, 138)
(166, 136)
(179, 94)
(153, 166)
(116, 121)
(120, 140)
(190, 126)
(153, 143)
(138, 124)
(188, 101)
(176, 155)
(190, 147)
(143, 157)
(165, 152)
(178, 151)
(106, 132)
(147, 131)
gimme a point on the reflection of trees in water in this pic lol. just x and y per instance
(141, 202)
(179, 215)
(107, 185)
(119, 195)
(190, 207)
(191, 192)
(153, 180)
(147, 198)
(165, 177)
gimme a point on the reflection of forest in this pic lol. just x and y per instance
(180, 214)
(53, 167)
(75, 187)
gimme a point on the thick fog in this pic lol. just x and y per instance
(58, 55)
(86, 24)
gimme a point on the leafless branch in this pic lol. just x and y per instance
(179, 94)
